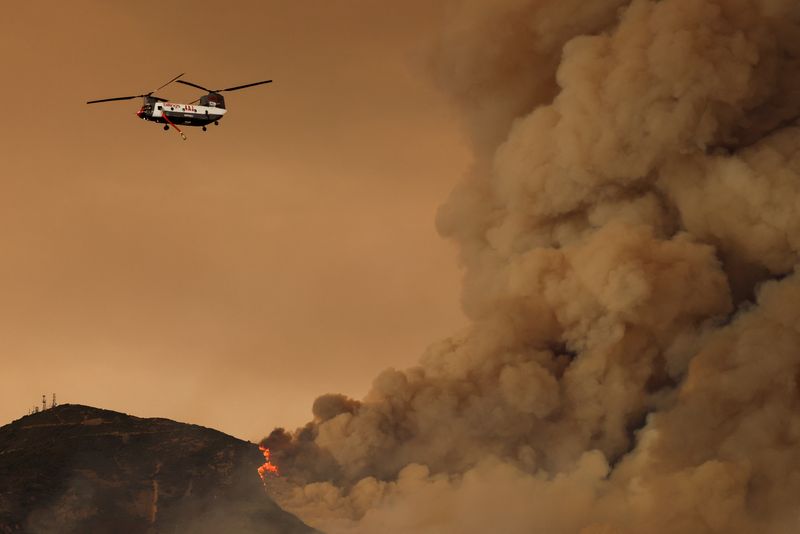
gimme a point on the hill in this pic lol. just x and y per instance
(75, 468)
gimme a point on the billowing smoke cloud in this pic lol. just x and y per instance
(630, 233)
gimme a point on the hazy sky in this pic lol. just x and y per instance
(230, 279)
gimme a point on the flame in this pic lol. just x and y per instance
(268, 466)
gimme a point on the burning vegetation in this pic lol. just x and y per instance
(267, 467)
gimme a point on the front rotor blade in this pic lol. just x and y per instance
(242, 86)
(112, 99)
(184, 82)
(169, 82)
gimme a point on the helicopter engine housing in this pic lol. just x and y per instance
(213, 100)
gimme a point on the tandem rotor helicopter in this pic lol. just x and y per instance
(210, 107)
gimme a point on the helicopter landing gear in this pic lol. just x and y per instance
(216, 123)
(166, 127)
(204, 128)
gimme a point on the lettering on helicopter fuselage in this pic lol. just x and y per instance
(181, 107)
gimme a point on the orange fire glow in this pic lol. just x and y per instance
(268, 466)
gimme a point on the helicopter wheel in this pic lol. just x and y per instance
(204, 128)
(216, 123)
(166, 127)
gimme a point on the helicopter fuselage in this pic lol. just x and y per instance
(181, 114)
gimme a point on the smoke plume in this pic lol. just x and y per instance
(629, 234)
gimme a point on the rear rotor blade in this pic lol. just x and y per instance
(112, 99)
(184, 82)
(242, 86)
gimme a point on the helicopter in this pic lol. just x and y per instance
(210, 107)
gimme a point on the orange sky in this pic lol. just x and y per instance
(230, 279)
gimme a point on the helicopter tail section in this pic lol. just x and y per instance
(213, 100)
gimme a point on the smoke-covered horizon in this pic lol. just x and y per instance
(629, 235)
